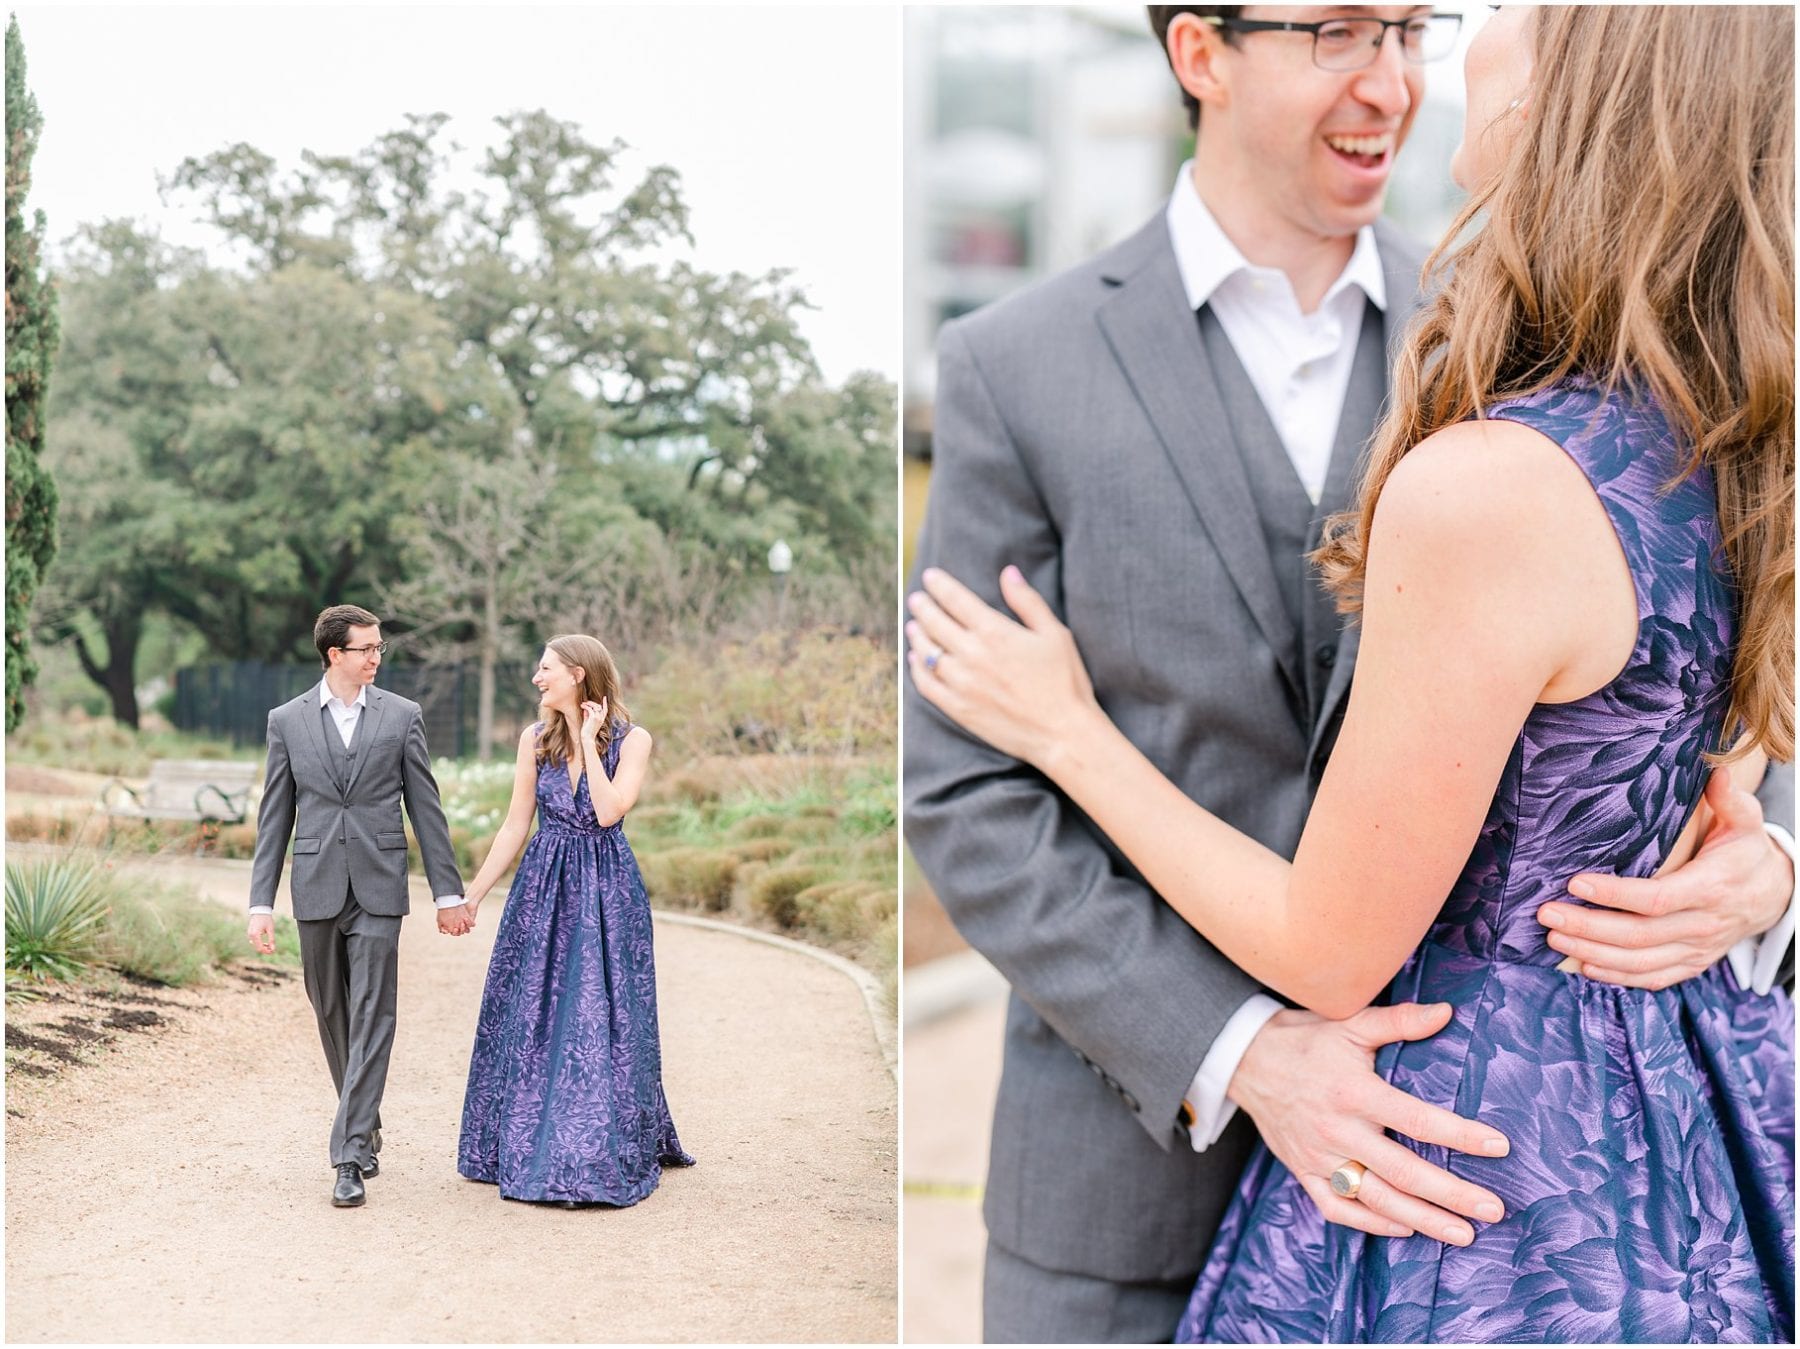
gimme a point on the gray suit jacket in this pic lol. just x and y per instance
(1080, 434)
(353, 832)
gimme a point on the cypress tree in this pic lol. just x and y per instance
(31, 336)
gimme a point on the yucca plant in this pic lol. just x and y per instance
(53, 914)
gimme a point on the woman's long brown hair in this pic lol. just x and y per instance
(1641, 230)
(600, 679)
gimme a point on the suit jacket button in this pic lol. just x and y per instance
(1326, 656)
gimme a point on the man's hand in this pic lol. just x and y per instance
(455, 920)
(1674, 926)
(1311, 1087)
(261, 930)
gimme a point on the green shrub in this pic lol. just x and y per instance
(44, 827)
(696, 877)
(776, 894)
(693, 788)
(870, 816)
(762, 825)
(54, 912)
(167, 935)
(844, 912)
(760, 849)
(645, 821)
(235, 840)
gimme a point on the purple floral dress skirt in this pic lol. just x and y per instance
(1650, 1189)
(565, 1098)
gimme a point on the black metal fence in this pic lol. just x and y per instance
(232, 700)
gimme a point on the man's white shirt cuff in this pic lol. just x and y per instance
(1206, 1094)
(262, 908)
(1757, 960)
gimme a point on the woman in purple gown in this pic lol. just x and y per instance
(1576, 597)
(565, 1100)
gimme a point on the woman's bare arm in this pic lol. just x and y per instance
(1494, 582)
(511, 836)
(614, 796)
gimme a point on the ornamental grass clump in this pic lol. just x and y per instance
(54, 916)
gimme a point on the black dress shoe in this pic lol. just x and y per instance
(348, 1192)
(373, 1168)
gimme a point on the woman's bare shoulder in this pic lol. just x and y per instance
(1482, 485)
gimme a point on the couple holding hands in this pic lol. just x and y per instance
(565, 1101)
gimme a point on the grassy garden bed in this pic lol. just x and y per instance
(73, 919)
(772, 798)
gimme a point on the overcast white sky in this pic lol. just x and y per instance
(784, 122)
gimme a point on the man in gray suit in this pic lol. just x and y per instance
(1155, 439)
(343, 756)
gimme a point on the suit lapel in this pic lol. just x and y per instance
(367, 726)
(1156, 340)
(311, 716)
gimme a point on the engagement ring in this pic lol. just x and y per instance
(1346, 1181)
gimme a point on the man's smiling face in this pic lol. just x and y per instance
(1316, 147)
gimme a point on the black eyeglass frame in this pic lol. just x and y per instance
(379, 648)
(1231, 25)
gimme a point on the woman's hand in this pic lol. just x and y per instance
(1023, 689)
(593, 720)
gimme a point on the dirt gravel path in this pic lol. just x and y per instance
(178, 1188)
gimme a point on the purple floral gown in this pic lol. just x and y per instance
(565, 1098)
(1650, 1189)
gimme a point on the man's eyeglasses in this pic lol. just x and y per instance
(379, 648)
(1354, 44)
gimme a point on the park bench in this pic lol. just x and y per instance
(206, 792)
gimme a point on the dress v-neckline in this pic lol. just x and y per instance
(575, 786)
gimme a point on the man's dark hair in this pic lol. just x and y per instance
(1160, 16)
(332, 628)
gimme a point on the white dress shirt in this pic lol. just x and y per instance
(345, 715)
(1300, 364)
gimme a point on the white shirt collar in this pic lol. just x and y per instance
(1206, 257)
(327, 697)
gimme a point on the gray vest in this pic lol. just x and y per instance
(339, 757)
(1291, 523)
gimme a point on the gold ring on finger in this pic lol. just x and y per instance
(1347, 1180)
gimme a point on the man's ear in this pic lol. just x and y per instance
(1195, 50)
